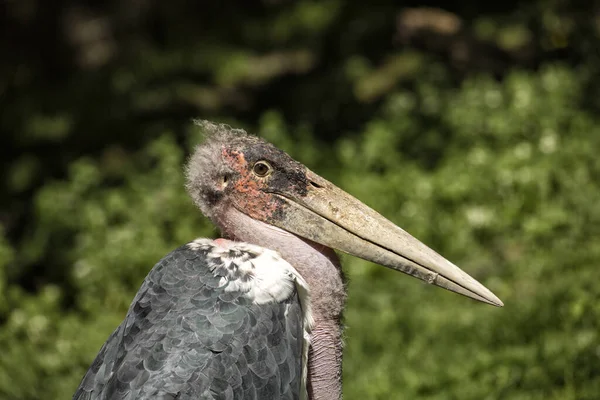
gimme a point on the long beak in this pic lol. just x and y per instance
(331, 217)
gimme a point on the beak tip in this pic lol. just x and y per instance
(492, 299)
(458, 281)
(498, 302)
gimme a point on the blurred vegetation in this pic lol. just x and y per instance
(475, 127)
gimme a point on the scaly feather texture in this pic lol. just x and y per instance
(212, 320)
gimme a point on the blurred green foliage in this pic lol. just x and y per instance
(476, 128)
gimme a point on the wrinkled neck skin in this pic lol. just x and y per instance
(320, 268)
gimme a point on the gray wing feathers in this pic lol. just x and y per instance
(186, 337)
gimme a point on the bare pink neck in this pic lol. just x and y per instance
(325, 362)
(320, 267)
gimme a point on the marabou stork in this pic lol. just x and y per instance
(256, 315)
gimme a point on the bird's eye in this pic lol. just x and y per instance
(262, 169)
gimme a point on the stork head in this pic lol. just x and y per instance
(232, 169)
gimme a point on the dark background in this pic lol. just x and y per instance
(473, 125)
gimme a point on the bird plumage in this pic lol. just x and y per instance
(212, 320)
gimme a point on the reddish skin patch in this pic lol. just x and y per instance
(222, 242)
(249, 191)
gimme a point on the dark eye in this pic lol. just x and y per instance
(262, 169)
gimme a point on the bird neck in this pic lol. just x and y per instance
(320, 268)
(325, 362)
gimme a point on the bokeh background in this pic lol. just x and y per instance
(474, 125)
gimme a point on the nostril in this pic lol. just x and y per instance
(315, 184)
